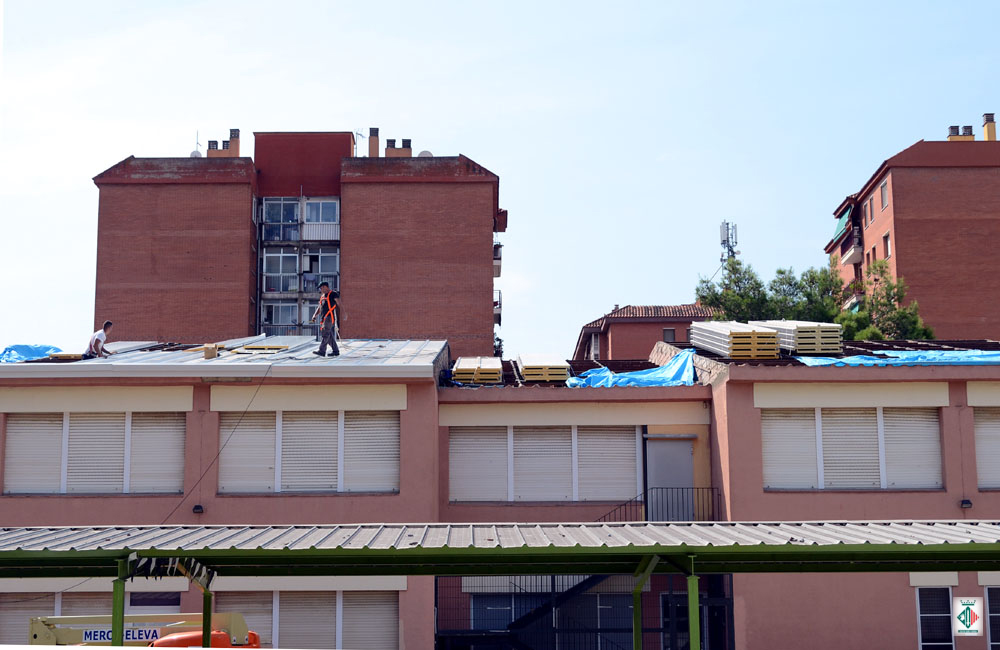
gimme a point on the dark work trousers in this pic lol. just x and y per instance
(328, 336)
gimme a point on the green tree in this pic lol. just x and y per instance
(884, 304)
(739, 295)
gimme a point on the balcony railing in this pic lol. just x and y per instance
(670, 504)
(277, 282)
(497, 306)
(280, 232)
(321, 231)
(311, 281)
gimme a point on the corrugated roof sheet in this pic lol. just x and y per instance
(403, 537)
(358, 358)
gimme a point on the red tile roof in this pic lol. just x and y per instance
(691, 310)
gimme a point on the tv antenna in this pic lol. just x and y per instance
(197, 145)
(727, 236)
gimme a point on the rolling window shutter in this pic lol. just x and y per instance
(308, 452)
(606, 457)
(912, 447)
(17, 608)
(371, 451)
(96, 463)
(307, 619)
(987, 446)
(371, 620)
(157, 456)
(246, 461)
(850, 449)
(788, 446)
(477, 464)
(33, 455)
(543, 464)
(257, 608)
(83, 604)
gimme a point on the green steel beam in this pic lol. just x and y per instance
(118, 605)
(694, 610)
(642, 574)
(206, 619)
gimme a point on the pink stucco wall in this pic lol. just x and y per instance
(635, 340)
(838, 610)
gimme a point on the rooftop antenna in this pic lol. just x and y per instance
(196, 153)
(727, 236)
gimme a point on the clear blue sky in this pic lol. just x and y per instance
(623, 133)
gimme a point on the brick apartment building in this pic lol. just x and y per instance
(932, 212)
(630, 332)
(203, 249)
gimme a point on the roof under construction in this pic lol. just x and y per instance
(258, 356)
(470, 549)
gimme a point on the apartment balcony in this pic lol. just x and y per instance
(852, 248)
(670, 504)
(321, 232)
(497, 258)
(497, 306)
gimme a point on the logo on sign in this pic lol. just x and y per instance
(968, 616)
(103, 635)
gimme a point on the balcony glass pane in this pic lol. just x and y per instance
(290, 212)
(272, 211)
(313, 212)
(329, 212)
(288, 264)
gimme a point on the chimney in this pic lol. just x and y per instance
(966, 135)
(213, 145)
(989, 128)
(391, 151)
(373, 142)
(234, 142)
(225, 145)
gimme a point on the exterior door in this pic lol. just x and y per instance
(669, 466)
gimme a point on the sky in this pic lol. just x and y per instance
(623, 133)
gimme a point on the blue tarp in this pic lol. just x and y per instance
(678, 372)
(15, 353)
(911, 358)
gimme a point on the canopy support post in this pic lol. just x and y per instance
(642, 573)
(694, 609)
(118, 605)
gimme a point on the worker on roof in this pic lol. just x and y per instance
(329, 312)
(95, 349)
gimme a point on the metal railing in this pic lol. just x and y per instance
(670, 504)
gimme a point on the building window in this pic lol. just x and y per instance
(874, 254)
(868, 258)
(687, 334)
(934, 618)
(95, 447)
(595, 346)
(540, 463)
(320, 265)
(886, 246)
(871, 209)
(993, 617)
(987, 433)
(280, 312)
(307, 451)
(851, 449)
(281, 220)
(668, 334)
(884, 192)
(865, 215)
(326, 211)
(281, 270)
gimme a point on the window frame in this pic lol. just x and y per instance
(920, 634)
(126, 462)
(883, 469)
(886, 245)
(884, 193)
(320, 201)
(673, 334)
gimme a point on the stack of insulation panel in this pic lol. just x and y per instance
(477, 370)
(735, 340)
(540, 367)
(806, 337)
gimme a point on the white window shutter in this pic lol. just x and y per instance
(257, 608)
(606, 457)
(246, 461)
(33, 454)
(16, 609)
(788, 446)
(371, 620)
(86, 604)
(543, 464)
(308, 452)
(987, 446)
(850, 449)
(157, 456)
(477, 464)
(96, 461)
(371, 451)
(307, 619)
(912, 447)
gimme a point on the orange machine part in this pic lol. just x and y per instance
(193, 640)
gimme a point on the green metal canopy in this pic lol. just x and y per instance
(842, 224)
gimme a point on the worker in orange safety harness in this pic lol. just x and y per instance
(329, 312)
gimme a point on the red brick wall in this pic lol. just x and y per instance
(300, 164)
(636, 340)
(417, 262)
(947, 224)
(175, 262)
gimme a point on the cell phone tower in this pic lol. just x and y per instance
(727, 235)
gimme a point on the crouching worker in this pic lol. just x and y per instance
(95, 349)
(329, 313)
